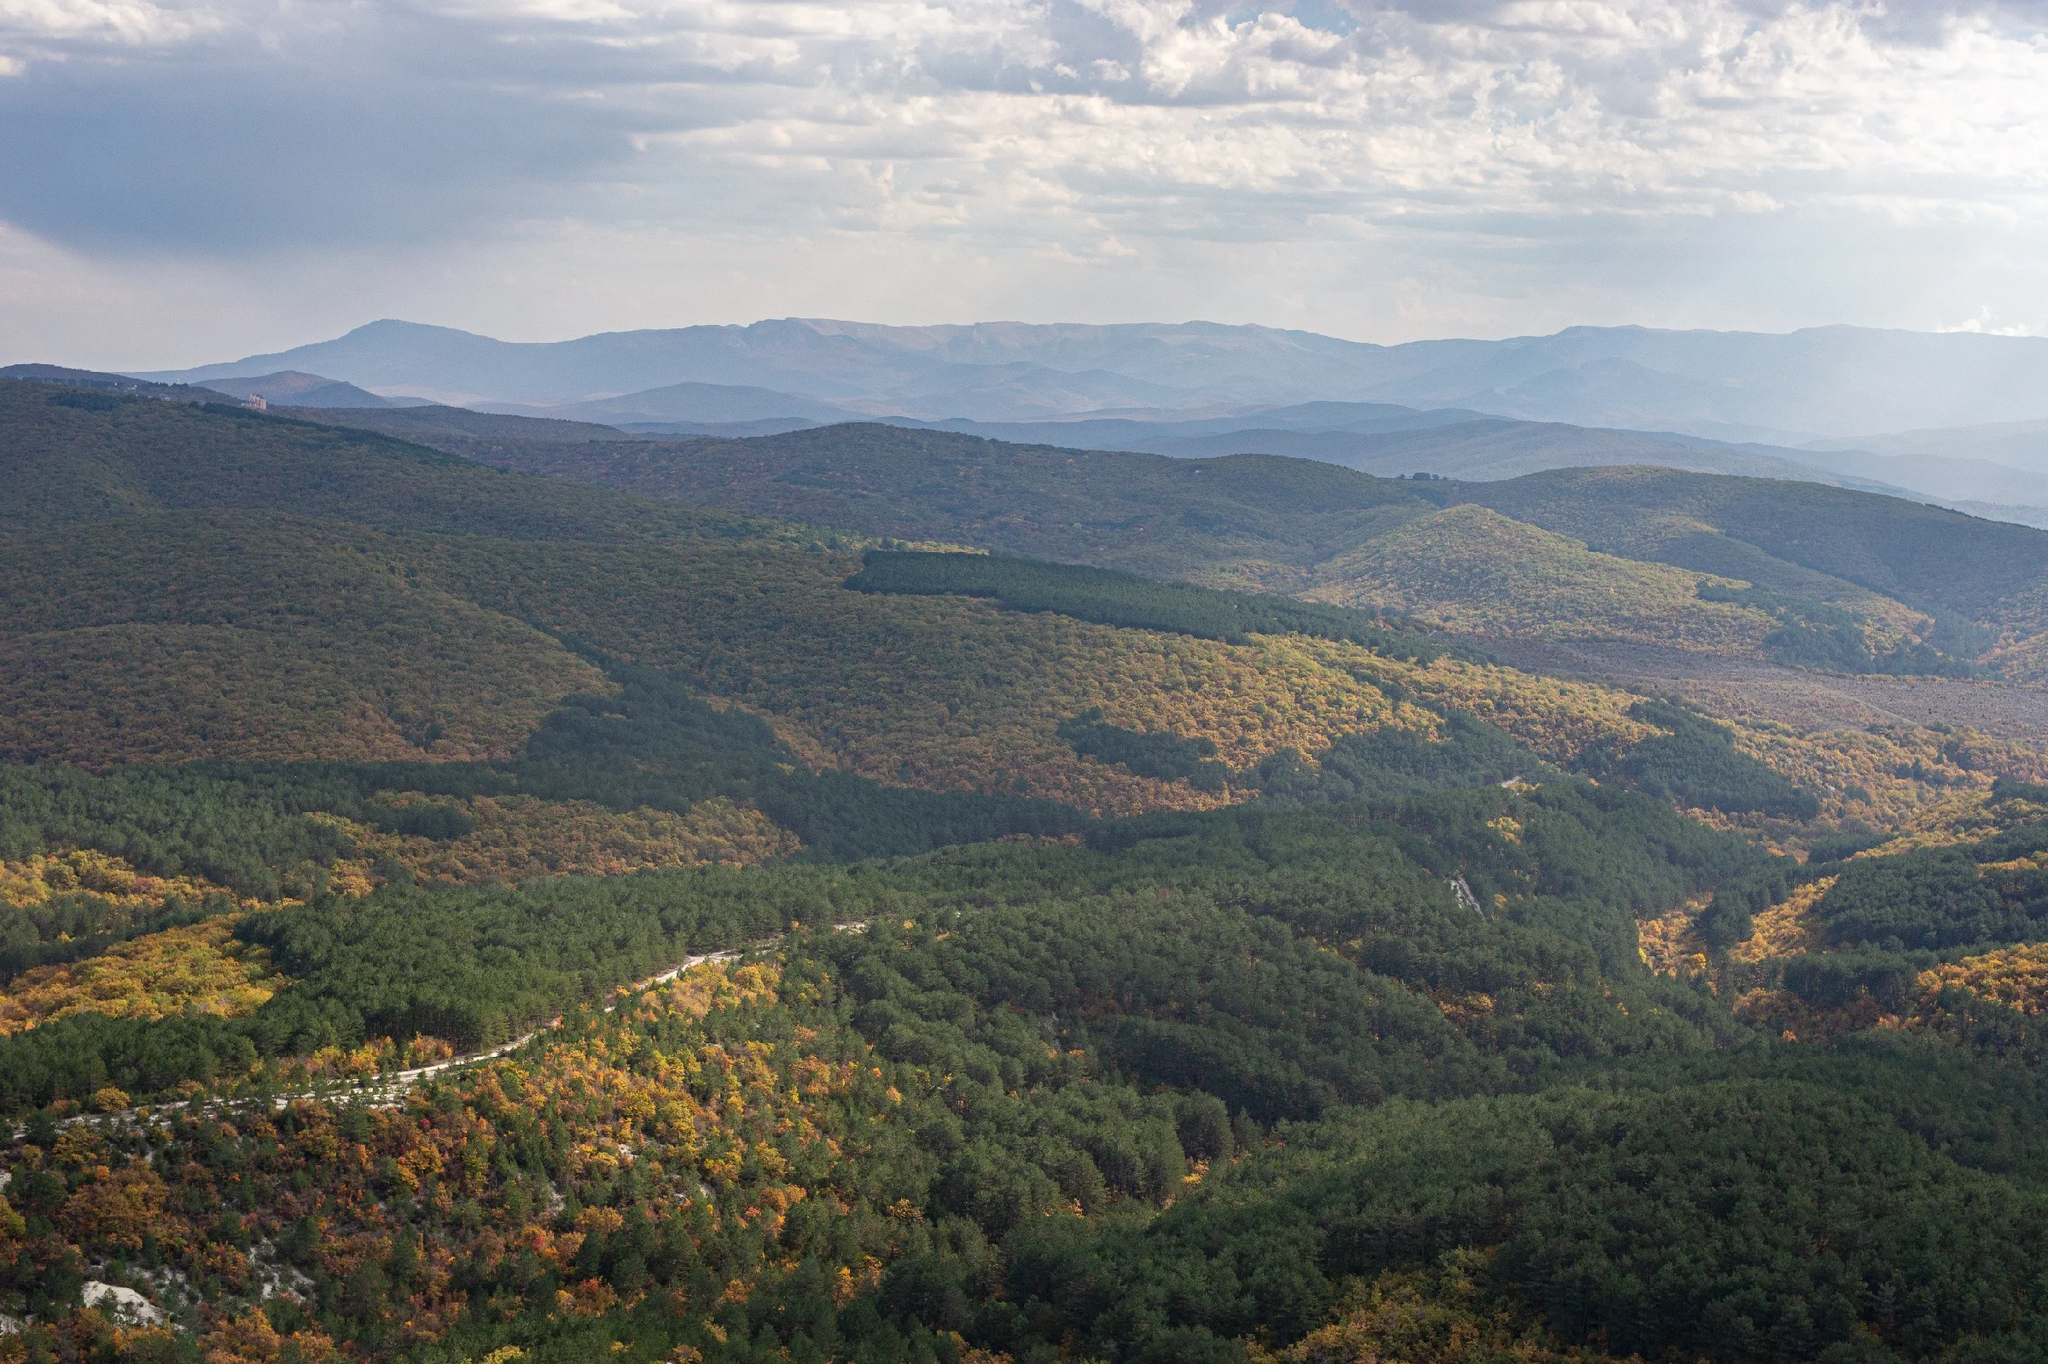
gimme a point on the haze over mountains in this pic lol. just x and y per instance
(1798, 406)
(295, 388)
(1827, 382)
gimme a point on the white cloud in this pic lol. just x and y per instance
(126, 21)
(1984, 324)
(1503, 160)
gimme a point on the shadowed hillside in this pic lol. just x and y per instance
(1242, 517)
(71, 456)
(1903, 570)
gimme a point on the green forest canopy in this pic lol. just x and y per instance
(1185, 1086)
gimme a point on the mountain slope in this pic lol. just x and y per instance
(73, 457)
(1984, 571)
(110, 383)
(1372, 438)
(694, 402)
(255, 635)
(460, 431)
(2014, 445)
(1491, 449)
(239, 632)
(1253, 519)
(460, 366)
(1373, 1032)
(933, 693)
(1116, 433)
(1475, 571)
(829, 359)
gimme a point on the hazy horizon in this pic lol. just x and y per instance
(190, 179)
(186, 363)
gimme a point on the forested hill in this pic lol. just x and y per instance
(1979, 570)
(69, 456)
(1147, 513)
(474, 435)
(1235, 516)
(1298, 526)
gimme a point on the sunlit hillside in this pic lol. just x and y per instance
(1477, 572)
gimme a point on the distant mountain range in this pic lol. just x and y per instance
(2018, 445)
(1971, 407)
(1826, 383)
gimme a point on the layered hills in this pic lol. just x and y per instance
(1377, 438)
(1902, 568)
(1829, 381)
(512, 891)
(297, 389)
(74, 457)
(1793, 406)
(1386, 441)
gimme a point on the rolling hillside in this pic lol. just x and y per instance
(1277, 524)
(457, 430)
(258, 622)
(453, 915)
(292, 388)
(1474, 449)
(1986, 572)
(1376, 438)
(958, 697)
(1807, 539)
(1903, 569)
(73, 456)
(1253, 520)
(1474, 571)
(218, 635)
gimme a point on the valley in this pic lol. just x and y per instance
(1312, 916)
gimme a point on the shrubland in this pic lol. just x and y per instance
(932, 691)
(514, 838)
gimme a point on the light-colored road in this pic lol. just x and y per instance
(386, 1091)
(406, 1079)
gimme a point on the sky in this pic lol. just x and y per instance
(184, 181)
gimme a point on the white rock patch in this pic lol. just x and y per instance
(123, 1304)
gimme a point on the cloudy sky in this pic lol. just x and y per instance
(189, 180)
